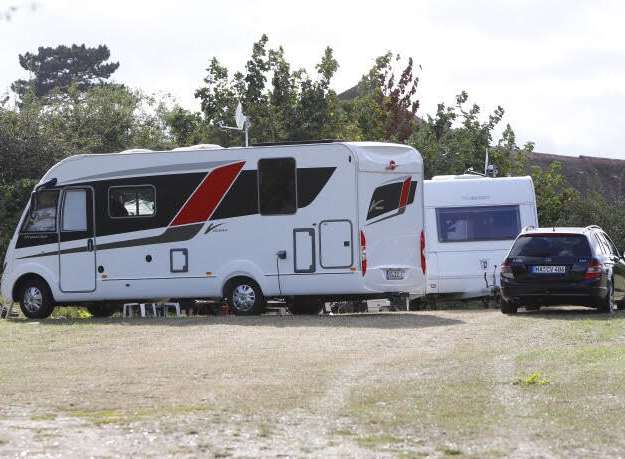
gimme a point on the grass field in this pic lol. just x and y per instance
(426, 384)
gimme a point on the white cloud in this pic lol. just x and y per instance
(555, 66)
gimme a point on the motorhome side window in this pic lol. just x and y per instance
(483, 223)
(276, 186)
(42, 214)
(132, 201)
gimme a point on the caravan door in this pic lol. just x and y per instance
(77, 252)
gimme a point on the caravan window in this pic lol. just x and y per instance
(276, 186)
(42, 214)
(486, 223)
(132, 201)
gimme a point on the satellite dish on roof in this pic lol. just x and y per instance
(239, 117)
(243, 124)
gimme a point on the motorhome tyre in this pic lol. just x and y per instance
(244, 296)
(35, 298)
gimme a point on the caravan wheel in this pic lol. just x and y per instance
(245, 297)
(35, 298)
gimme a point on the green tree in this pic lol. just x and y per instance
(56, 69)
(385, 106)
(293, 106)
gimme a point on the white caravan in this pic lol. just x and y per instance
(304, 222)
(472, 222)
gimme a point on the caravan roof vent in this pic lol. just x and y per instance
(136, 150)
(200, 146)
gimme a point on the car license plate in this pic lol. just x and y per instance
(549, 269)
(394, 274)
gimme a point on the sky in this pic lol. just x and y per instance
(556, 66)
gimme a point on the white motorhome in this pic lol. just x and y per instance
(305, 223)
(471, 223)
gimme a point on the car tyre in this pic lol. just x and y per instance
(35, 298)
(607, 304)
(508, 308)
(245, 297)
(305, 306)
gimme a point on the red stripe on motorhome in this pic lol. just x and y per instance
(405, 192)
(208, 195)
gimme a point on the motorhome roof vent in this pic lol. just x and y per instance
(457, 177)
(200, 146)
(136, 150)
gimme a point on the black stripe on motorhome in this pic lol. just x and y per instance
(173, 234)
(172, 191)
(242, 198)
(391, 193)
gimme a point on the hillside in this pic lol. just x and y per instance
(589, 173)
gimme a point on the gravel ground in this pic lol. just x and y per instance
(434, 383)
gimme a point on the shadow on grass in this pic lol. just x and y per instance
(571, 313)
(400, 321)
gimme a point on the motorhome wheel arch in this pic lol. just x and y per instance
(306, 221)
(472, 222)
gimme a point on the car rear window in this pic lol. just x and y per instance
(557, 245)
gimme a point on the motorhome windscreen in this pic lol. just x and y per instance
(42, 215)
(548, 245)
(481, 223)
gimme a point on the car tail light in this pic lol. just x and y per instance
(594, 270)
(506, 270)
(363, 253)
(423, 260)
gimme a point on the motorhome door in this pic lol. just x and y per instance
(336, 244)
(77, 251)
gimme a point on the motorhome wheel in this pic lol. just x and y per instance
(245, 297)
(35, 299)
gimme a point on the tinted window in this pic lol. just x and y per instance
(132, 201)
(276, 186)
(551, 246)
(487, 223)
(42, 215)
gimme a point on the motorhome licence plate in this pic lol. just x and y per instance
(394, 274)
(549, 269)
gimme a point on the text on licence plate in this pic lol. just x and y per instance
(549, 269)
(394, 274)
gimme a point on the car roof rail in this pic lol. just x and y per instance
(528, 228)
(590, 227)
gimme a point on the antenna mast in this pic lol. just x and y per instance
(243, 123)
